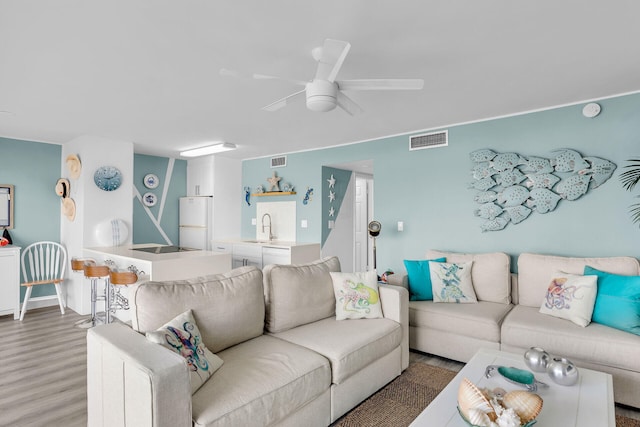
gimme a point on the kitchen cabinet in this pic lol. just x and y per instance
(260, 254)
(10, 281)
(200, 176)
(221, 178)
(244, 255)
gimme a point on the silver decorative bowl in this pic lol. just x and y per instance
(562, 371)
(537, 359)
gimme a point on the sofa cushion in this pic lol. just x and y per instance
(618, 301)
(261, 382)
(420, 286)
(452, 282)
(349, 345)
(526, 327)
(356, 295)
(181, 335)
(491, 273)
(571, 297)
(534, 272)
(481, 320)
(215, 301)
(299, 294)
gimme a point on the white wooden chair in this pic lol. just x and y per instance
(43, 263)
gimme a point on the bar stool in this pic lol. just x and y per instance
(77, 264)
(117, 279)
(95, 273)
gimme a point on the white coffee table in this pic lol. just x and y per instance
(587, 403)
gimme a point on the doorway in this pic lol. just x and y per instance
(346, 235)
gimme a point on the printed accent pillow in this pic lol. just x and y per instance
(357, 295)
(181, 335)
(618, 301)
(420, 287)
(452, 282)
(571, 297)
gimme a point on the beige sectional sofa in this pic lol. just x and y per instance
(287, 360)
(514, 323)
(596, 346)
(457, 331)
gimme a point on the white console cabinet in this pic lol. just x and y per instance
(10, 281)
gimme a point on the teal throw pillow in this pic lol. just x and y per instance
(420, 278)
(618, 300)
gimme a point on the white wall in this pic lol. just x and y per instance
(93, 205)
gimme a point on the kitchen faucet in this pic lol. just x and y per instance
(263, 226)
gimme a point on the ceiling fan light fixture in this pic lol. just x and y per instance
(321, 95)
(209, 149)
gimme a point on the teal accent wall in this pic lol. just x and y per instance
(342, 178)
(33, 168)
(428, 189)
(158, 224)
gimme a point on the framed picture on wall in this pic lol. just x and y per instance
(6, 206)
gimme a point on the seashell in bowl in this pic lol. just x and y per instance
(527, 405)
(478, 418)
(470, 397)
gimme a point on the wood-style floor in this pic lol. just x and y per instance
(43, 371)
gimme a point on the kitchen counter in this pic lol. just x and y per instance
(262, 252)
(160, 267)
(163, 266)
(270, 243)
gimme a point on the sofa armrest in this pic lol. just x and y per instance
(395, 306)
(398, 280)
(132, 381)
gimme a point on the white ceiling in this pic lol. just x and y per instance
(147, 71)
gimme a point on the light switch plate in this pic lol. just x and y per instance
(254, 221)
(303, 223)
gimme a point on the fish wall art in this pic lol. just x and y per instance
(509, 186)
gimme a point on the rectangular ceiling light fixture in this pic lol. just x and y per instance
(209, 149)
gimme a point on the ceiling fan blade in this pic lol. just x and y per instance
(231, 73)
(266, 77)
(348, 104)
(333, 54)
(381, 84)
(281, 103)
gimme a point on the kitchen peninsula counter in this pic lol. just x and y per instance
(163, 266)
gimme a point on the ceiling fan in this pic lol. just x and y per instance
(324, 92)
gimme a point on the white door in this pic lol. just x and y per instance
(360, 225)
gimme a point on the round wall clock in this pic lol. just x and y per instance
(149, 199)
(107, 178)
(151, 180)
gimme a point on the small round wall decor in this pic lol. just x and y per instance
(151, 181)
(107, 178)
(149, 199)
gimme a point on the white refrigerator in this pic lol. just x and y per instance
(196, 222)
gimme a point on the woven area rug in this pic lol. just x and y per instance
(402, 400)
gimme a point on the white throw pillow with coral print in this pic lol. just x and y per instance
(452, 282)
(571, 297)
(357, 295)
(182, 336)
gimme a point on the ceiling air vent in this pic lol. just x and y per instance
(278, 162)
(429, 140)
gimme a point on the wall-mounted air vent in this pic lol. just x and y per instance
(429, 140)
(278, 162)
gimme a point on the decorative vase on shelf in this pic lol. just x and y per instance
(537, 359)
(562, 371)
